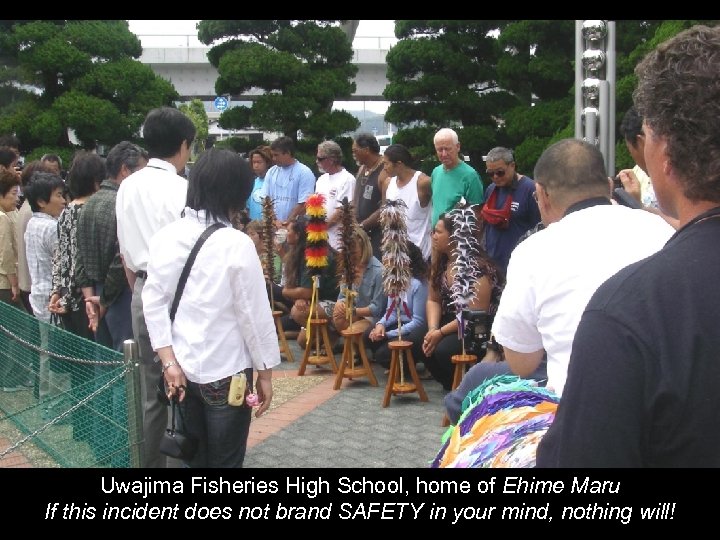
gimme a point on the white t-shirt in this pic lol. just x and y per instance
(553, 274)
(335, 187)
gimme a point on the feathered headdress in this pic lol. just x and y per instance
(396, 261)
(316, 249)
(467, 271)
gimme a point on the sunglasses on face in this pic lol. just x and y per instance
(499, 173)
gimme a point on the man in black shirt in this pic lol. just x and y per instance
(369, 187)
(642, 387)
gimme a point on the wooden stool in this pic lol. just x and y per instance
(318, 328)
(393, 387)
(354, 341)
(284, 346)
(462, 362)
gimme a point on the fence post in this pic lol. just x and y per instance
(136, 439)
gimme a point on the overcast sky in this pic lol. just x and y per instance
(368, 28)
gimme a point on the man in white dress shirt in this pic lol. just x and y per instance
(148, 200)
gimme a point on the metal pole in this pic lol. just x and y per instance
(579, 47)
(610, 76)
(604, 141)
(133, 400)
(595, 94)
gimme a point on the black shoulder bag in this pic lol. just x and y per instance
(175, 443)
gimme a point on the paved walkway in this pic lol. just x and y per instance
(348, 427)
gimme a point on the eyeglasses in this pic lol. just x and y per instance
(535, 193)
(499, 173)
(323, 158)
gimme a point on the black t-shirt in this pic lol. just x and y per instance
(366, 198)
(644, 376)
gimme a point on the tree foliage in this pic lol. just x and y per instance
(502, 83)
(302, 67)
(442, 73)
(75, 75)
(195, 110)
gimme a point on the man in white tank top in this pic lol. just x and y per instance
(415, 189)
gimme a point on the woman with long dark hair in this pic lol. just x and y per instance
(441, 341)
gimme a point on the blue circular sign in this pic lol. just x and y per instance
(221, 103)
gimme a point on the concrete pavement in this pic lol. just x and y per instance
(328, 428)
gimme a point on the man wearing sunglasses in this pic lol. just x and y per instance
(510, 209)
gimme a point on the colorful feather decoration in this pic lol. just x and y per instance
(316, 250)
(268, 256)
(467, 271)
(396, 261)
(316, 253)
(348, 267)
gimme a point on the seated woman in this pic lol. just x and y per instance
(414, 326)
(441, 341)
(297, 289)
(370, 297)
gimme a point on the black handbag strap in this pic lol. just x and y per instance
(175, 405)
(188, 266)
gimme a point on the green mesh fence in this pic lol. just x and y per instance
(65, 395)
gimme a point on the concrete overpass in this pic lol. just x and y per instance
(182, 60)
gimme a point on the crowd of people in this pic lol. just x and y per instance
(604, 304)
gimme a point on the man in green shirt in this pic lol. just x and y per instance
(453, 179)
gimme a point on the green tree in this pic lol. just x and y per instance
(538, 65)
(302, 67)
(442, 73)
(634, 40)
(502, 83)
(75, 75)
(195, 110)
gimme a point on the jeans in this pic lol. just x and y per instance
(222, 429)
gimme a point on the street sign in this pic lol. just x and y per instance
(221, 103)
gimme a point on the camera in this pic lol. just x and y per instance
(623, 197)
(478, 325)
